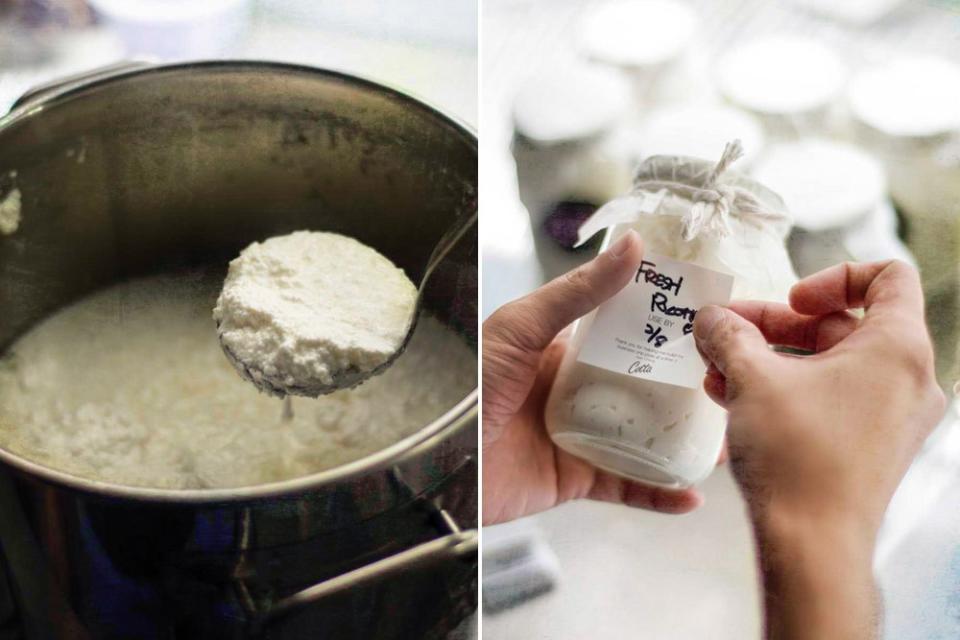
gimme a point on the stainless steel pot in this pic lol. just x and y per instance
(144, 168)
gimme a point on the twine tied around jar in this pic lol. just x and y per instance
(714, 202)
(710, 212)
(696, 191)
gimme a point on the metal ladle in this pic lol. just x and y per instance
(351, 377)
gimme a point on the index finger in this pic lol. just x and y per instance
(875, 286)
(783, 326)
(532, 322)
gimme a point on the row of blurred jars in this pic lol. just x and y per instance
(841, 144)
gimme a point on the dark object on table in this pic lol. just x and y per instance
(30, 29)
(60, 13)
(516, 569)
(563, 220)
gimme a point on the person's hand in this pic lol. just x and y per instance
(818, 444)
(832, 433)
(523, 472)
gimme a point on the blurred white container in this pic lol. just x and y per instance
(907, 112)
(176, 29)
(790, 82)
(838, 196)
(853, 12)
(700, 131)
(570, 142)
(909, 97)
(638, 33)
(650, 40)
(449, 22)
(570, 103)
(825, 184)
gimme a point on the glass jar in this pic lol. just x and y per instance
(656, 433)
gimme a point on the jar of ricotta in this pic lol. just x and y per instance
(690, 211)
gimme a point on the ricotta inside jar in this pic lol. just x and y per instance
(691, 211)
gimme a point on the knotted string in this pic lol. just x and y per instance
(713, 202)
(710, 212)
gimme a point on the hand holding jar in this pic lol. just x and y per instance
(523, 471)
(820, 443)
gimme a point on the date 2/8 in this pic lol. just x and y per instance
(658, 338)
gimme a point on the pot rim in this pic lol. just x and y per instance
(457, 417)
(70, 87)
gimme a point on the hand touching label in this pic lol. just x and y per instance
(645, 330)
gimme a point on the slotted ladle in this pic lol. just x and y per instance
(351, 376)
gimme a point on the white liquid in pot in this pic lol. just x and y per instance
(130, 385)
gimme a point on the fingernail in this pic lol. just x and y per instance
(620, 247)
(705, 320)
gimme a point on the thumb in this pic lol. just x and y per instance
(732, 344)
(533, 321)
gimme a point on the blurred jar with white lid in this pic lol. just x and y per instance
(570, 140)
(650, 41)
(791, 83)
(698, 129)
(837, 194)
(906, 110)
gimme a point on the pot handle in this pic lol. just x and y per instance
(40, 91)
(453, 546)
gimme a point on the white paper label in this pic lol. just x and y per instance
(646, 330)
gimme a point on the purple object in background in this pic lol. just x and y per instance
(43, 13)
(176, 29)
(563, 220)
